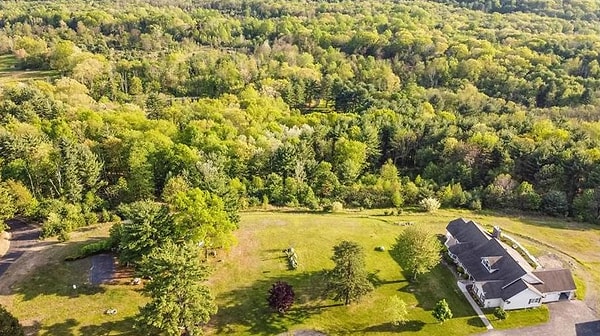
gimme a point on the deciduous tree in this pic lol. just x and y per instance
(417, 251)
(281, 296)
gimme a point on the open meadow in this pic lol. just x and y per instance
(45, 300)
(9, 74)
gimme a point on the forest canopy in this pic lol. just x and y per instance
(299, 103)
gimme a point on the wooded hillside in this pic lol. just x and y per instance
(489, 104)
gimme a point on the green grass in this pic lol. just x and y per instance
(519, 318)
(47, 304)
(9, 74)
(243, 278)
(243, 275)
(49, 298)
(580, 284)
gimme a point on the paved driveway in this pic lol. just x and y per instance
(22, 237)
(567, 318)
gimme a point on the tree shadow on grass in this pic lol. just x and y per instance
(66, 328)
(476, 322)
(412, 325)
(67, 279)
(439, 283)
(246, 307)
(124, 327)
(374, 278)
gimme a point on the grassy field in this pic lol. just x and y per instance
(8, 73)
(243, 277)
(47, 302)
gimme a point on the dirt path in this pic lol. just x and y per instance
(4, 242)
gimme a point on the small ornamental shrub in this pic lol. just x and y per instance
(337, 207)
(396, 310)
(430, 204)
(442, 311)
(281, 297)
(500, 313)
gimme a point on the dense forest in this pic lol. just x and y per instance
(300, 103)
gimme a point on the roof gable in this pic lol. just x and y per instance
(518, 287)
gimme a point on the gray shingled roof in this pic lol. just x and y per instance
(555, 280)
(467, 232)
(475, 244)
(492, 289)
(514, 289)
(508, 269)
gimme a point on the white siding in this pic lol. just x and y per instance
(521, 300)
(551, 297)
(492, 303)
(555, 296)
(450, 240)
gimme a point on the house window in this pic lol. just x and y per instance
(536, 300)
(486, 263)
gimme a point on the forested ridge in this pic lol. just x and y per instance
(480, 104)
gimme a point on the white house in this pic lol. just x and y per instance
(499, 275)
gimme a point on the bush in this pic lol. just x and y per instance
(90, 218)
(500, 313)
(9, 325)
(105, 216)
(92, 249)
(337, 207)
(430, 204)
(281, 297)
(396, 310)
(442, 311)
(475, 205)
(115, 218)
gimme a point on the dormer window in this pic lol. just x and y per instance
(487, 263)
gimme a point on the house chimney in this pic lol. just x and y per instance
(497, 232)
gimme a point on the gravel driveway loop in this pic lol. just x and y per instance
(22, 237)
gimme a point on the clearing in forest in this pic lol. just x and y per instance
(9, 74)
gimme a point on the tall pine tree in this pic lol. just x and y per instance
(180, 302)
(348, 281)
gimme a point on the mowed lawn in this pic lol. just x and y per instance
(46, 301)
(244, 276)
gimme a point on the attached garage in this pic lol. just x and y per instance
(557, 285)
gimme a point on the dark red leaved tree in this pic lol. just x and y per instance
(281, 296)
